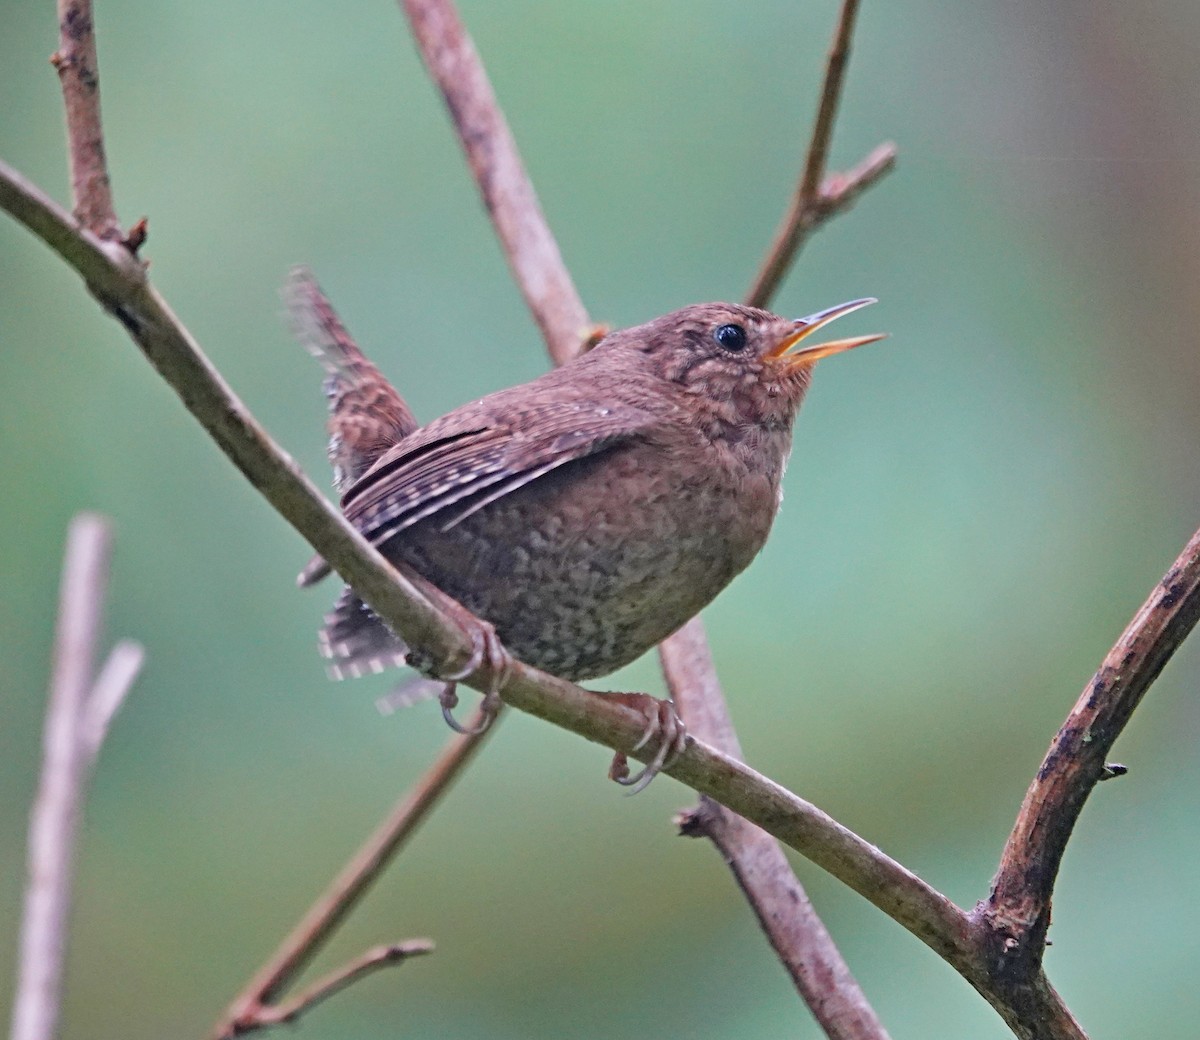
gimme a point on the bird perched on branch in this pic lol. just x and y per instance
(585, 515)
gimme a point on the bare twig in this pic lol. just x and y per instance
(78, 73)
(816, 197)
(831, 96)
(257, 1005)
(759, 866)
(1018, 910)
(56, 810)
(507, 192)
(116, 678)
(840, 190)
(336, 981)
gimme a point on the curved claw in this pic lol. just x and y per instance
(448, 699)
(663, 723)
(489, 655)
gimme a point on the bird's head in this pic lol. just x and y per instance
(751, 365)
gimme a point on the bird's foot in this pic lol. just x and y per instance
(488, 655)
(663, 727)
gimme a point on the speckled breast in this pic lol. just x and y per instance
(588, 567)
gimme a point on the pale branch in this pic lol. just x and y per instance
(507, 192)
(117, 676)
(57, 806)
(396, 598)
(367, 964)
(817, 197)
(78, 72)
(1018, 909)
(538, 268)
(759, 866)
(259, 1004)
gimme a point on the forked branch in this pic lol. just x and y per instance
(818, 197)
(260, 1004)
(759, 866)
(1018, 908)
(77, 715)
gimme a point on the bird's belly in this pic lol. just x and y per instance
(579, 573)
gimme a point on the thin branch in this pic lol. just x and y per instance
(79, 76)
(831, 96)
(56, 809)
(112, 686)
(507, 192)
(1018, 909)
(759, 866)
(839, 192)
(256, 1006)
(816, 197)
(336, 981)
(396, 598)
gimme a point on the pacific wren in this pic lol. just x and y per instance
(586, 514)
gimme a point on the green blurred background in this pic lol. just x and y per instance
(974, 508)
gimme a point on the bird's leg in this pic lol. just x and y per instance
(487, 653)
(663, 726)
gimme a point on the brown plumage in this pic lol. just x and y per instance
(588, 513)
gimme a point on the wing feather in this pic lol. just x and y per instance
(479, 460)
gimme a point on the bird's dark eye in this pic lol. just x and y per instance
(731, 337)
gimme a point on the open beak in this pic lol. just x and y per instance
(805, 327)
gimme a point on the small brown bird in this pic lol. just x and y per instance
(588, 513)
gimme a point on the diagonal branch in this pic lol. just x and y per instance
(1018, 908)
(838, 193)
(507, 192)
(831, 96)
(537, 264)
(117, 676)
(258, 1005)
(759, 866)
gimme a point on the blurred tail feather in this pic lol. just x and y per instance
(356, 642)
